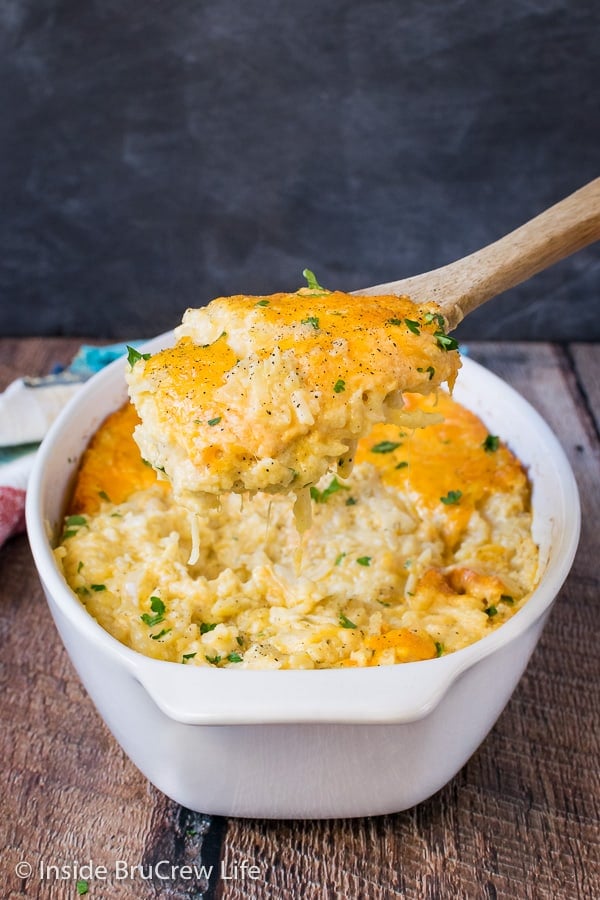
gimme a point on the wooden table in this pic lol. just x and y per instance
(521, 820)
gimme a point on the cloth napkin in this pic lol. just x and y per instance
(27, 409)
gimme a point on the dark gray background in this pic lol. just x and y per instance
(156, 154)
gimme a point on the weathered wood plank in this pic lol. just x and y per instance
(68, 794)
(521, 818)
(586, 358)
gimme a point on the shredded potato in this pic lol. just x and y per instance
(270, 393)
(425, 548)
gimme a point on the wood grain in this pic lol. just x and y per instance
(521, 820)
(586, 360)
(67, 791)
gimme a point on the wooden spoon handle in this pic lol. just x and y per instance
(462, 286)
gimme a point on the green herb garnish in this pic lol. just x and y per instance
(333, 487)
(234, 657)
(345, 622)
(490, 611)
(98, 587)
(393, 322)
(158, 608)
(311, 281)
(339, 386)
(413, 326)
(214, 421)
(187, 656)
(351, 501)
(339, 558)
(439, 648)
(134, 356)
(75, 522)
(437, 318)
(157, 637)
(311, 320)
(506, 598)
(451, 498)
(213, 660)
(205, 627)
(401, 465)
(430, 371)
(385, 447)
(104, 496)
(262, 303)
(364, 560)
(491, 443)
(445, 341)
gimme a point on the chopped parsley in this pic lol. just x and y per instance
(445, 341)
(339, 386)
(98, 587)
(80, 565)
(437, 318)
(262, 303)
(506, 598)
(364, 560)
(401, 465)
(451, 498)
(75, 522)
(413, 326)
(339, 558)
(491, 611)
(158, 608)
(104, 496)
(333, 487)
(205, 627)
(311, 320)
(491, 443)
(214, 421)
(311, 281)
(351, 501)
(439, 648)
(430, 371)
(394, 322)
(385, 446)
(157, 637)
(134, 356)
(345, 622)
(213, 660)
(234, 657)
(187, 656)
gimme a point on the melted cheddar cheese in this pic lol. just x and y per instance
(390, 572)
(111, 468)
(269, 393)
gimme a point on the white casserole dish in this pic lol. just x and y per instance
(317, 743)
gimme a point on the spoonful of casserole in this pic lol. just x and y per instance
(269, 393)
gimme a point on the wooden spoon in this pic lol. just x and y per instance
(462, 286)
